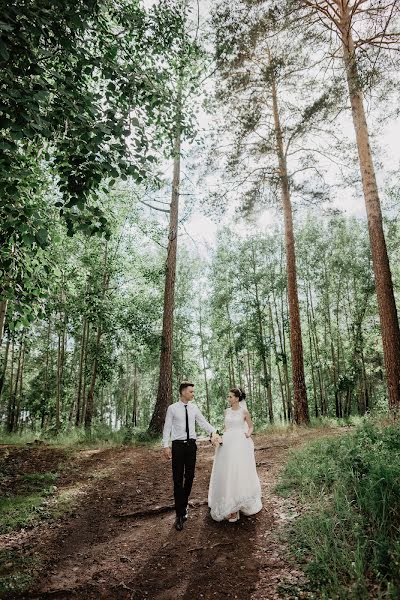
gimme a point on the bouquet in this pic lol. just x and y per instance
(216, 439)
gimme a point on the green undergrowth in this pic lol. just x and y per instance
(100, 436)
(16, 572)
(25, 509)
(349, 535)
(318, 423)
(17, 439)
(329, 422)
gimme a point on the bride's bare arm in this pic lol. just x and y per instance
(249, 422)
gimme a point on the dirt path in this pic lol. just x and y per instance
(96, 552)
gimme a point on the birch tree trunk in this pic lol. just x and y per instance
(3, 312)
(12, 417)
(266, 371)
(281, 387)
(85, 331)
(135, 395)
(203, 357)
(4, 370)
(19, 388)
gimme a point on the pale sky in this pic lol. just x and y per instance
(202, 230)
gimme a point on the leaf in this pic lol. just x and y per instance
(4, 53)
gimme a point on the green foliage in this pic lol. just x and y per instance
(89, 92)
(342, 349)
(19, 511)
(39, 478)
(74, 82)
(139, 437)
(349, 535)
(16, 572)
(100, 436)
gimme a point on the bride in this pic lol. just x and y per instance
(234, 483)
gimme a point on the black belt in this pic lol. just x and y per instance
(190, 440)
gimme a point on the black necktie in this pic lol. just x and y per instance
(187, 422)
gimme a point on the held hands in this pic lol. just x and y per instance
(168, 453)
(248, 434)
(216, 439)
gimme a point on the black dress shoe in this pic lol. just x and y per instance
(179, 523)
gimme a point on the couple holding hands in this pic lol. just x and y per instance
(234, 483)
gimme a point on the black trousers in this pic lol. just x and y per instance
(183, 466)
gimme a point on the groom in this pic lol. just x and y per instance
(180, 422)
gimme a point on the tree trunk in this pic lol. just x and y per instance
(85, 330)
(312, 361)
(135, 395)
(281, 387)
(3, 312)
(247, 370)
(58, 384)
(281, 334)
(4, 371)
(383, 278)
(266, 373)
(90, 397)
(10, 393)
(19, 388)
(323, 400)
(203, 356)
(85, 376)
(164, 394)
(11, 418)
(93, 377)
(231, 347)
(46, 394)
(301, 415)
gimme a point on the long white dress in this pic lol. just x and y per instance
(234, 483)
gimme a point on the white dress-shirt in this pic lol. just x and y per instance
(175, 422)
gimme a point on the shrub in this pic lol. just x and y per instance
(349, 533)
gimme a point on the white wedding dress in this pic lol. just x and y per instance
(234, 483)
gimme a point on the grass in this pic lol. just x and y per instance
(319, 423)
(16, 572)
(40, 478)
(100, 436)
(17, 439)
(329, 422)
(24, 510)
(19, 511)
(348, 537)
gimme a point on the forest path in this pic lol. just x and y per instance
(96, 552)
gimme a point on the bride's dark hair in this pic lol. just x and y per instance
(238, 392)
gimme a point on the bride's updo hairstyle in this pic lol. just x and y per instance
(238, 392)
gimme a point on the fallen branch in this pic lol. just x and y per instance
(269, 447)
(157, 510)
(210, 547)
